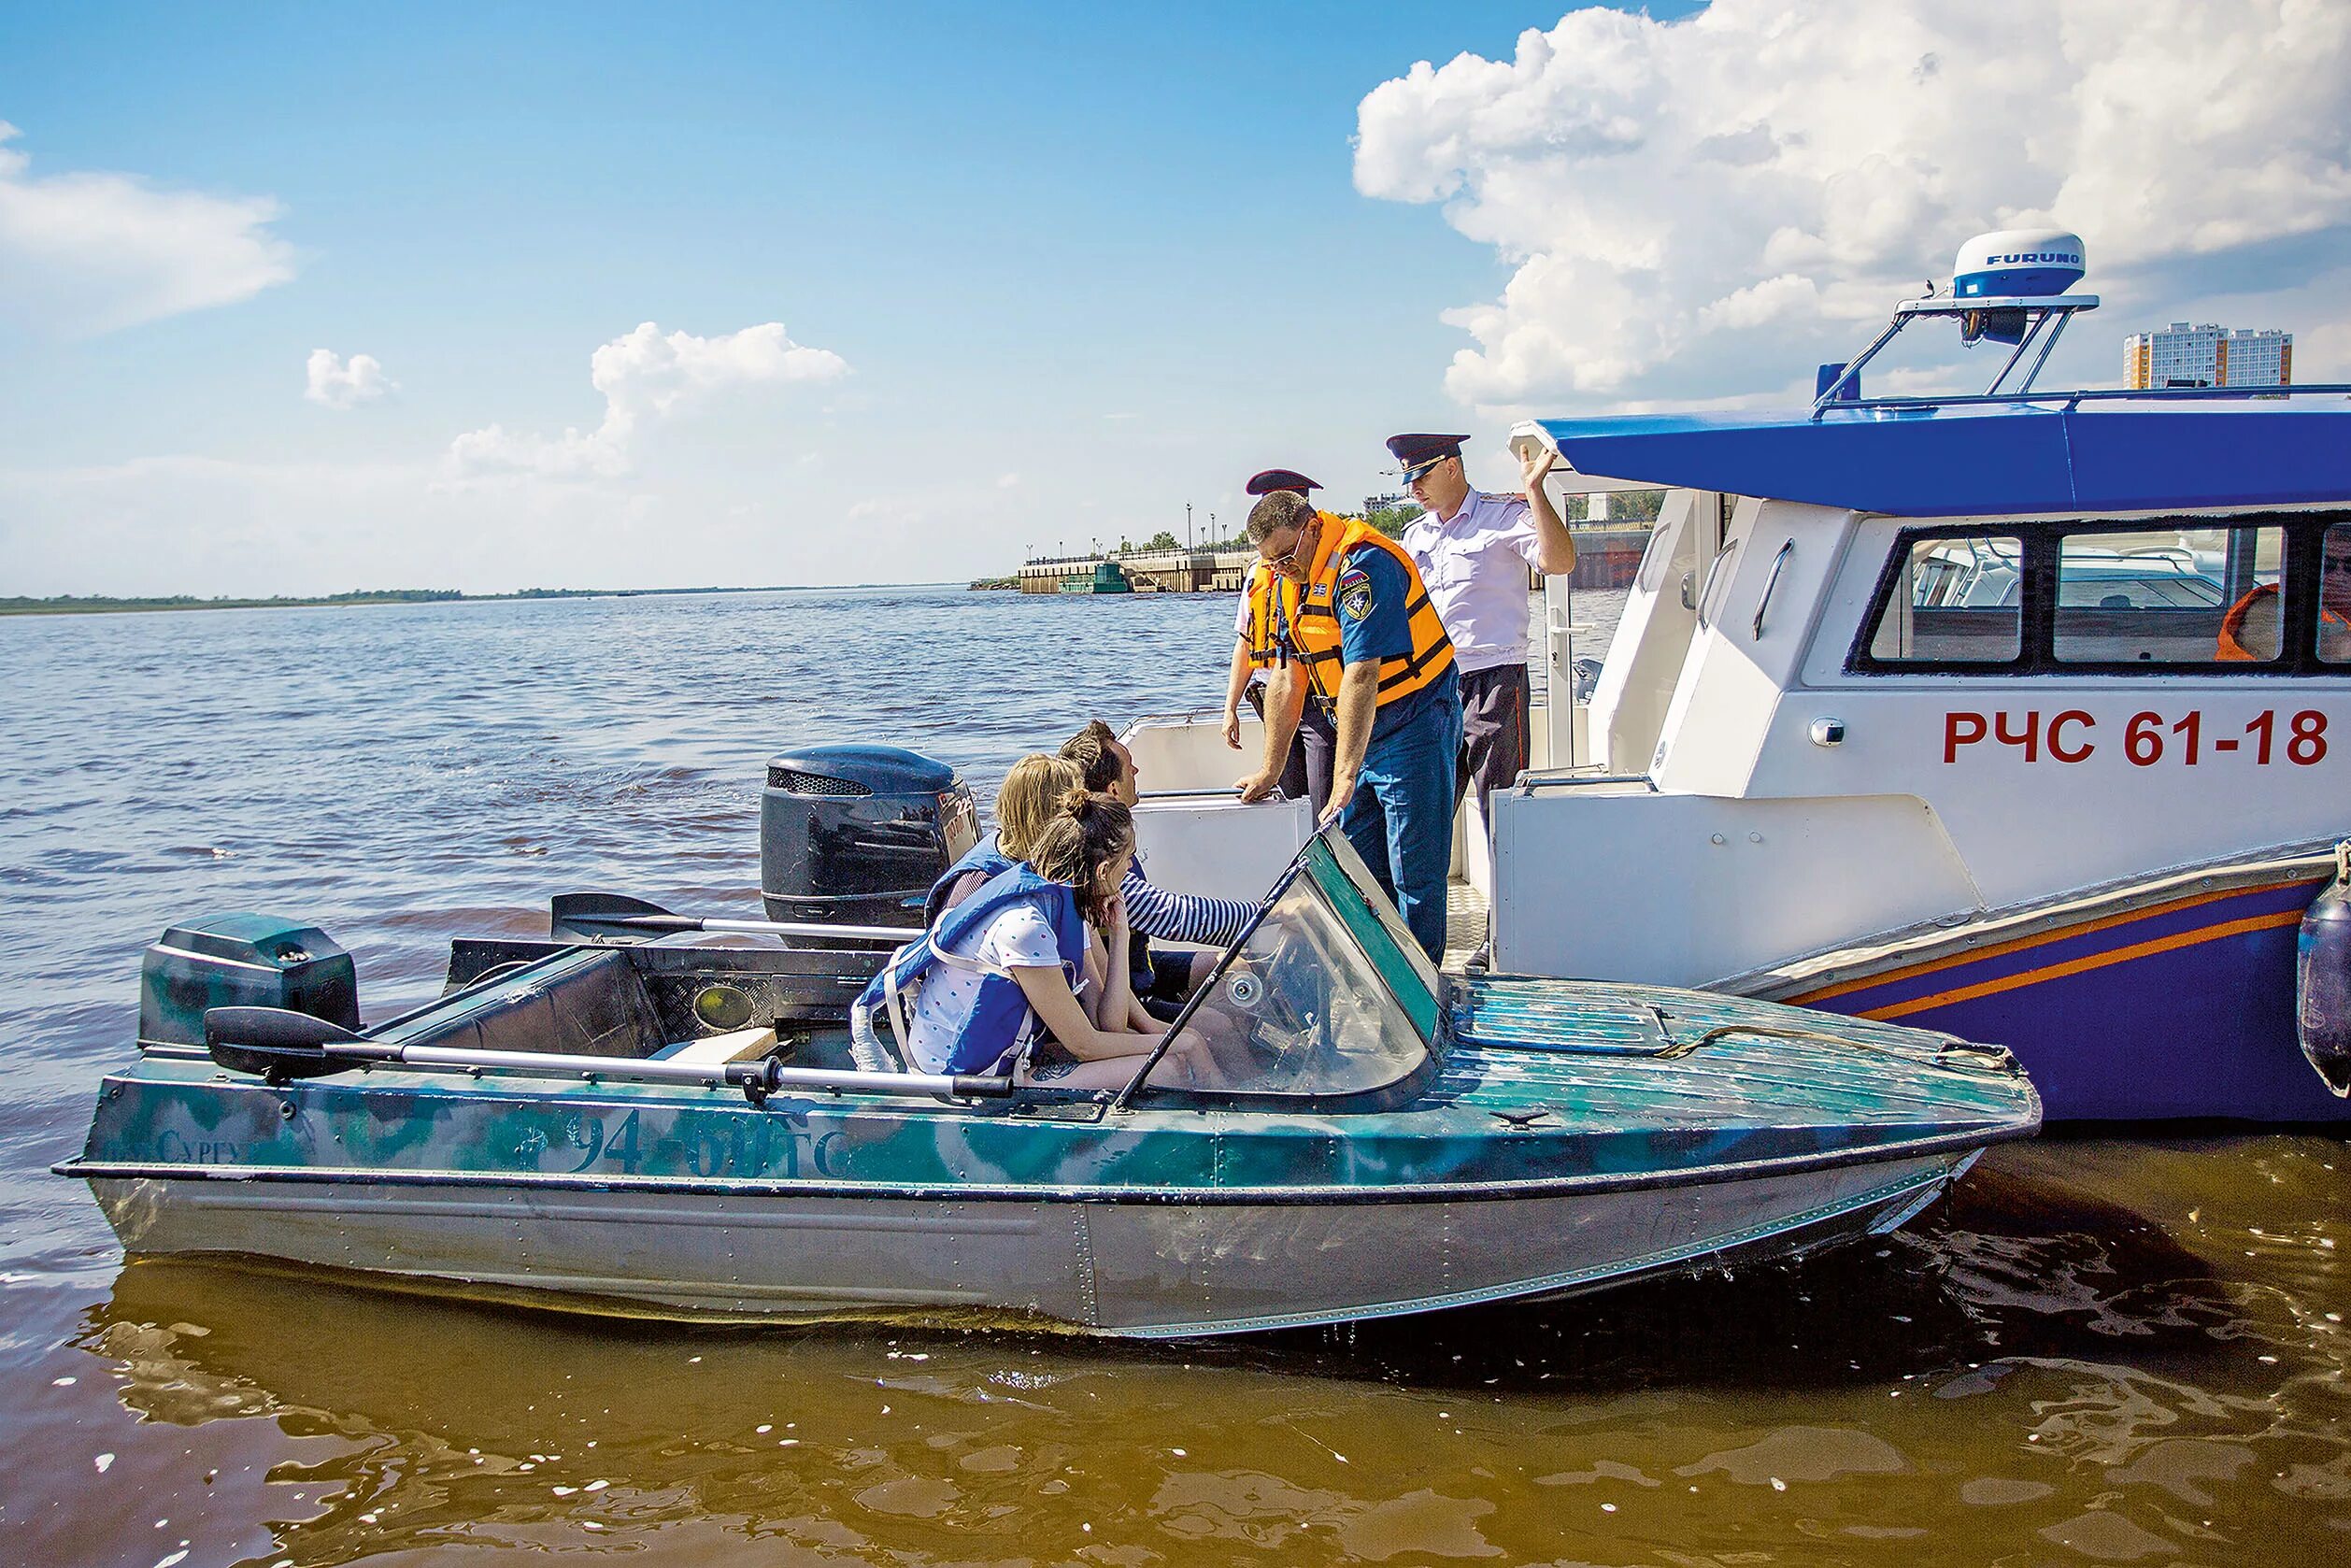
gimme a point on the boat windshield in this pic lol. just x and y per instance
(1330, 996)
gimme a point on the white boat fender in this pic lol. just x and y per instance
(2322, 979)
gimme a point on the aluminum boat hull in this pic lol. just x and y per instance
(1139, 1268)
(1562, 1142)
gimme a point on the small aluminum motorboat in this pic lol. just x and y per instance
(679, 1126)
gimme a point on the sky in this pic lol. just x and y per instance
(303, 299)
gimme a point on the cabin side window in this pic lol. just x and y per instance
(2261, 594)
(1955, 599)
(2175, 596)
(2334, 596)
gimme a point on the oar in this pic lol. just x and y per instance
(276, 1044)
(582, 914)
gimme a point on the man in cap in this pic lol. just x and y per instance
(1354, 633)
(1473, 550)
(1306, 771)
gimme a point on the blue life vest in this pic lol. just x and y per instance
(987, 857)
(1000, 1017)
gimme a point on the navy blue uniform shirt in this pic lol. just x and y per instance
(1369, 600)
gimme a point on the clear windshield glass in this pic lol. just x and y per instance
(1311, 1006)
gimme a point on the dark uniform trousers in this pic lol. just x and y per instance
(1306, 772)
(1494, 739)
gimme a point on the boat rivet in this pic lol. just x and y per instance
(1755, 838)
(286, 1109)
(1719, 839)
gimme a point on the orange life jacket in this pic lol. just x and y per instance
(2232, 641)
(1307, 608)
(1258, 593)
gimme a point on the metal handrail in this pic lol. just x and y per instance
(2093, 394)
(1786, 549)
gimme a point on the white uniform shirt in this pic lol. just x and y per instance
(1017, 938)
(1475, 569)
(1241, 633)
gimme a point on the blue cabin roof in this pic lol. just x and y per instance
(2054, 453)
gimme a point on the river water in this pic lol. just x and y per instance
(2097, 1351)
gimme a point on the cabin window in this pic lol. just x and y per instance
(1955, 600)
(2173, 596)
(2261, 594)
(2334, 596)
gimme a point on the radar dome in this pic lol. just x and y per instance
(2018, 263)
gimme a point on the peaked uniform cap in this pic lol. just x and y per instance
(1414, 450)
(1269, 481)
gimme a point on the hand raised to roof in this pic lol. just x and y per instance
(1536, 464)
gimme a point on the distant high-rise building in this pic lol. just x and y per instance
(2180, 355)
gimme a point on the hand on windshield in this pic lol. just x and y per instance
(1257, 786)
(1342, 791)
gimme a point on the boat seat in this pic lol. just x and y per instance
(718, 1051)
(586, 1003)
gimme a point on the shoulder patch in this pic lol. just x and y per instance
(1355, 592)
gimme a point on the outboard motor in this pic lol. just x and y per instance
(857, 833)
(242, 961)
(2322, 978)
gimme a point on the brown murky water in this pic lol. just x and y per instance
(2098, 1351)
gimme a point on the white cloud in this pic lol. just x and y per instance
(1691, 205)
(91, 252)
(647, 378)
(338, 385)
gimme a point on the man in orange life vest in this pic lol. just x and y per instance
(1354, 633)
(2254, 626)
(1306, 772)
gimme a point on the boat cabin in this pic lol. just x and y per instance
(1904, 686)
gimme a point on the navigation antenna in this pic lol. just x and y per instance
(2007, 287)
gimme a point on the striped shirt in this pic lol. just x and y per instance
(1211, 923)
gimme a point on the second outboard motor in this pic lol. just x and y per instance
(856, 833)
(2322, 979)
(242, 959)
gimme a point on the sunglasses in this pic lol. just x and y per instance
(1288, 558)
(2338, 563)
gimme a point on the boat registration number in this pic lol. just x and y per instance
(2145, 738)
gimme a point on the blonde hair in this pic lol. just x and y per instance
(1030, 794)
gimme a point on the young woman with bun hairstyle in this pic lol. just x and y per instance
(1003, 970)
(1089, 846)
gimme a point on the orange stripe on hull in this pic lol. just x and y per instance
(2018, 945)
(2083, 965)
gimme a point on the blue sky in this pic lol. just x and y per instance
(1072, 266)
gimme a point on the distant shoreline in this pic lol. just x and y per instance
(87, 603)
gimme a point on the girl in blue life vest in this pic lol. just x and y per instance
(1003, 970)
(1030, 794)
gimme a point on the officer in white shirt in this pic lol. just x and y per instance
(1473, 550)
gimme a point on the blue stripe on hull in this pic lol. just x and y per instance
(2199, 1030)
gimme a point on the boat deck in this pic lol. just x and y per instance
(1464, 923)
